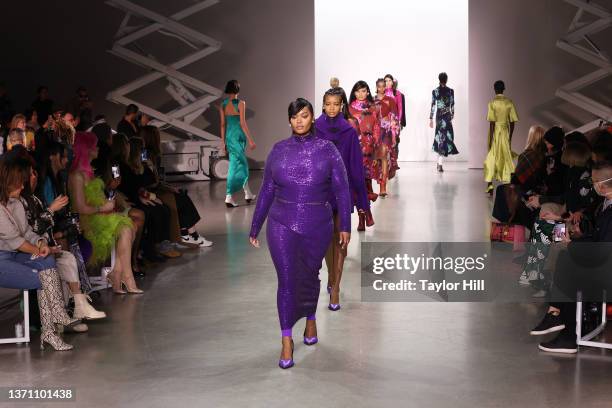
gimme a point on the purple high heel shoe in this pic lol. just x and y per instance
(334, 307)
(285, 364)
(310, 341)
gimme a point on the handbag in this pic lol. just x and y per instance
(502, 232)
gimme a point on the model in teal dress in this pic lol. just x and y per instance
(235, 135)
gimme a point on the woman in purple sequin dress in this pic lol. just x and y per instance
(301, 172)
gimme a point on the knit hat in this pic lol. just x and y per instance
(555, 136)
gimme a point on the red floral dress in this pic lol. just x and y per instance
(368, 128)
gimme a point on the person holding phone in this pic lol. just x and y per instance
(103, 228)
(300, 173)
(42, 222)
(25, 257)
(585, 265)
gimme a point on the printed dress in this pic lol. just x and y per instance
(368, 121)
(443, 106)
(389, 130)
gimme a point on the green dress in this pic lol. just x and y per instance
(499, 164)
(235, 144)
(102, 230)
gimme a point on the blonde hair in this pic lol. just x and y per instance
(535, 138)
(553, 208)
(332, 80)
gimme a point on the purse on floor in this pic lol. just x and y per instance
(502, 232)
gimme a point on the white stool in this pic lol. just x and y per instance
(26, 323)
(586, 339)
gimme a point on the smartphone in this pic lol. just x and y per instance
(144, 155)
(111, 195)
(116, 172)
(559, 232)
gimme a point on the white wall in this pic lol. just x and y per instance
(411, 39)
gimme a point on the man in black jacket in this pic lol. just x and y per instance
(586, 266)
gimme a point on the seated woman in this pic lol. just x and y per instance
(182, 210)
(157, 215)
(103, 228)
(41, 219)
(103, 168)
(25, 257)
(527, 179)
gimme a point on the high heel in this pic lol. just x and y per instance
(119, 291)
(229, 202)
(285, 364)
(248, 195)
(334, 307)
(383, 189)
(489, 189)
(54, 341)
(310, 341)
(131, 291)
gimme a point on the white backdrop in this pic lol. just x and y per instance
(414, 41)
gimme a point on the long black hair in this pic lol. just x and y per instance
(393, 80)
(361, 85)
(298, 105)
(46, 171)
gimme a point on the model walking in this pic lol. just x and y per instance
(389, 131)
(234, 135)
(300, 174)
(363, 110)
(501, 115)
(443, 105)
(333, 126)
(400, 102)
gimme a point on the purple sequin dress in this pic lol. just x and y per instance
(300, 174)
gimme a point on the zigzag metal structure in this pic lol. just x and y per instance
(180, 85)
(580, 31)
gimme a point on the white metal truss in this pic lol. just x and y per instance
(579, 32)
(181, 87)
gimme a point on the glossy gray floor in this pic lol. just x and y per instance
(206, 332)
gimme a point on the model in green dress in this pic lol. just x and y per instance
(499, 164)
(235, 135)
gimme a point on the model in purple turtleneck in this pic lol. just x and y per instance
(300, 175)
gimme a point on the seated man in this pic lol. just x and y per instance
(585, 266)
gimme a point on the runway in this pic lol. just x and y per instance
(206, 334)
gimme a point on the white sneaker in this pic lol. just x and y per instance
(201, 241)
(248, 195)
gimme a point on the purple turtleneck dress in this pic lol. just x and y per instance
(340, 132)
(301, 172)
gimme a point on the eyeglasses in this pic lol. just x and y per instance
(602, 181)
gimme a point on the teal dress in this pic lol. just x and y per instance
(235, 144)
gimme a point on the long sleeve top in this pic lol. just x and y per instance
(14, 227)
(303, 170)
(442, 103)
